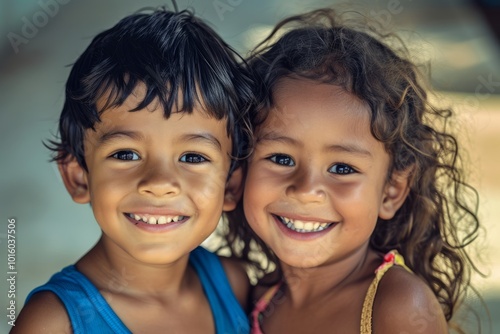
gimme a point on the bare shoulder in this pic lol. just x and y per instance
(44, 313)
(238, 278)
(405, 304)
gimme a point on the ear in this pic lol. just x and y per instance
(395, 193)
(234, 190)
(75, 180)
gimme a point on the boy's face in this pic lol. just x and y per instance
(156, 185)
(316, 182)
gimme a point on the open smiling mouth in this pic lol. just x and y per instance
(303, 226)
(156, 220)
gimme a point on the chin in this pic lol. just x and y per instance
(299, 260)
(159, 256)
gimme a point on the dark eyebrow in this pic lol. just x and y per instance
(203, 137)
(108, 136)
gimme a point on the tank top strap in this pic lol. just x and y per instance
(390, 259)
(261, 306)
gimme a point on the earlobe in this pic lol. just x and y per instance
(75, 180)
(234, 190)
(395, 193)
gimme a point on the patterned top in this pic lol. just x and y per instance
(390, 259)
(90, 313)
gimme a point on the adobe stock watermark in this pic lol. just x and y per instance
(11, 271)
(384, 16)
(223, 6)
(31, 26)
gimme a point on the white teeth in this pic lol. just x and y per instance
(303, 227)
(298, 224)
(156, 220)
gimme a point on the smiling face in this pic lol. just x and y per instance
(316, 181)
(156, 185)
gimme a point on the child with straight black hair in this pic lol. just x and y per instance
(355, 184)
(154, 122)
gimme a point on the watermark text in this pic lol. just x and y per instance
(11, 271)
(31, 26)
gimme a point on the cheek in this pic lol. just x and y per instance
(250, 207)
(207, 190)
(105, 197)
(252, 187)
(109, 187)
(254, 214)
(360, 199)
(349, 192)
(256, 197)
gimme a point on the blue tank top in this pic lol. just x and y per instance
(90, 313)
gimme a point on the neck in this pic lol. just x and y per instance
(304, 285)
(113, 270)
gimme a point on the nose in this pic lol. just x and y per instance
(159, 180)
(307, 186)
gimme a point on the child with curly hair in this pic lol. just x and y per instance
(354, 186)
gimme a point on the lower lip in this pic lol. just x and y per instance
(301, 236)
(156, 227)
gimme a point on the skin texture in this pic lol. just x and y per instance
(316, 162)
(141, 163)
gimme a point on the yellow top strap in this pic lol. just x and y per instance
(390, 259)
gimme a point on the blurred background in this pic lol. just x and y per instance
(39, 39)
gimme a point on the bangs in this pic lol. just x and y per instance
(180, 61)
(182, 71)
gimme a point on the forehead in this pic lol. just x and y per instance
(151, 123)
(302, 103)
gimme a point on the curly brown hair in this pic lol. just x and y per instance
(439, 217)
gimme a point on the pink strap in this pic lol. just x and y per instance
(261, 306)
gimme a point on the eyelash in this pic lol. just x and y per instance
(283, 158)
(344, 169)
(126, 155)
(286, 160)
(191, 158)
(194, 158)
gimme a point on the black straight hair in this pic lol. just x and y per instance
(181, 61)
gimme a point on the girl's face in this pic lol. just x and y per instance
(316, 182)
